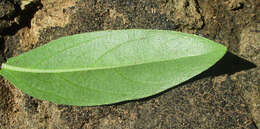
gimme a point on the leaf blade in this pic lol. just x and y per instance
(147, 73)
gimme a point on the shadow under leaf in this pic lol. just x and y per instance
(229, 64)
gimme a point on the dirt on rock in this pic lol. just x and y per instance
(226, 96)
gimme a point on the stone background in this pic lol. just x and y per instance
(226, 96)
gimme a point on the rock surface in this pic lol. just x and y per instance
(227, 96)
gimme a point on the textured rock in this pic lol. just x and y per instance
(7, 8)
(7, 11)
(225, 97)
(249, 81)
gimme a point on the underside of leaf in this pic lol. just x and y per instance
(106, 67)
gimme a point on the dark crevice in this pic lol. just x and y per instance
(186, 4)
(238, 7)
(18, 20)
(197, 6)
(254, 125)
(24, 18)
(14, 13)
(2, 55)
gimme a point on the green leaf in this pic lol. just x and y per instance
(106, 67)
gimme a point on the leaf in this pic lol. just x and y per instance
(106, 67)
